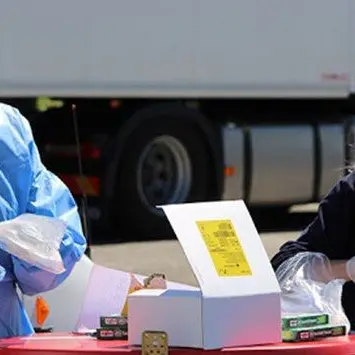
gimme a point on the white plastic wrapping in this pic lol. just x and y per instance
(34, 239)
(308, 287)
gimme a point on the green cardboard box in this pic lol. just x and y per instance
(304, 321)
(311, 334)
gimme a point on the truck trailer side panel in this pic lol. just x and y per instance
(166, 48)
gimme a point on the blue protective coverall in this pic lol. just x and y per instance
(26, 186)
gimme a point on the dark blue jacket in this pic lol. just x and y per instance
(332, 232)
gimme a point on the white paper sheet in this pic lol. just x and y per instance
(105, 295)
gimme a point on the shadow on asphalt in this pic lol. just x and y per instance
(282, 222)
(265, 222)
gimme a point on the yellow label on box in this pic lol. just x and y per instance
(224, 246)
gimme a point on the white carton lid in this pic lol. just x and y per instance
(223, 248)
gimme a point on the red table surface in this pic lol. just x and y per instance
(67, 344)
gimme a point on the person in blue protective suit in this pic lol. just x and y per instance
(26, 186)
(331, 233)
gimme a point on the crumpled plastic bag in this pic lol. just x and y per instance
(307, 287)
(34, 239)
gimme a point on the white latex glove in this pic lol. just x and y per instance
(318, 268)
(350, 268)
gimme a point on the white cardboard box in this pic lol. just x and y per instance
(238, 302)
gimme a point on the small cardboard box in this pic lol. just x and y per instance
(310, 334)
(238, 302)
(304, 321)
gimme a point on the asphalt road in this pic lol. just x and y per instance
(167, 256)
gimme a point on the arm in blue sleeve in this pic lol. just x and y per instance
(48, 196)
(331, 232)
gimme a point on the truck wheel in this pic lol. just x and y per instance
(164, 172)
(165, 160)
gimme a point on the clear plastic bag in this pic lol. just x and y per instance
(308, 287)
(34, 239)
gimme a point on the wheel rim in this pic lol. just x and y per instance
(164, 173)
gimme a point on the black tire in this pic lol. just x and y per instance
(131, 213)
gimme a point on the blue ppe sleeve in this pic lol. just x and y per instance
(40, 192)
(331, 232)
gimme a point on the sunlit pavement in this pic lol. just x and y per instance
(167, 256)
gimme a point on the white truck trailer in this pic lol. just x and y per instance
(184, 100)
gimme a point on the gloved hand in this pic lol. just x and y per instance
(154, 281)
(350, 268)
(318, 268)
